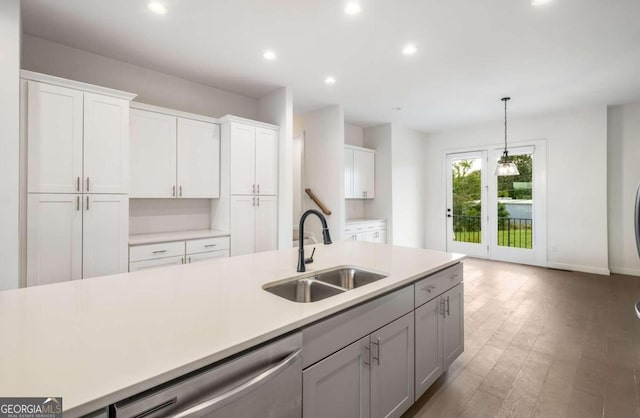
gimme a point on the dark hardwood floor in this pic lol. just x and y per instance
(542, 343)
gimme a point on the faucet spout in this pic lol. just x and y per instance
(326, 236)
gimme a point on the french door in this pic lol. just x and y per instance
(497, 217)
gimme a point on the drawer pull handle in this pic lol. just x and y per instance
(210, 245)
(429, 288)
(159, 251)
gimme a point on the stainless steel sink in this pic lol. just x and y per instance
(304, 290)
(349, 278)
(321, 285)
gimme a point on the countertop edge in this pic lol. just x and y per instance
(105, 401)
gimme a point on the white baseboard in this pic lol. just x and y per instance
(625, 271)
(580, 268)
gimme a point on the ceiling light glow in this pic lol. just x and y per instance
(330, 81)
(157, 8)
(540, 2)
(409, 49)
(269, 55)
(352, 8)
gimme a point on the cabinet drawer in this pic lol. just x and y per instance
(207, 244)
(330, 335)
(152, 264)
(436, 284)
(374, 225)
(154, 251)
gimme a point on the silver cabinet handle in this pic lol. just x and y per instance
(448, 305)
(78, 184)
(87, 183)
(181, 260)
(181, 190)
(241, 390)
(428, 288)
(87, 203)
(377, 356)
(189, 260)
(210, 245)
(258, 189)
(442, 309)
(78, 203)
(367, 355)
(254, 201)
(258, 200)
(173, 193)
(253, 189)
(159, 252)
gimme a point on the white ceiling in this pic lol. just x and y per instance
(564, 54)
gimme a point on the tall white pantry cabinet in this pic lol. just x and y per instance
(253, 184)
(77, 179)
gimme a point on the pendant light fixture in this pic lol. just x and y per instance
(504, 167)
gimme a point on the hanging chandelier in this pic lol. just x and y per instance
(504, 167)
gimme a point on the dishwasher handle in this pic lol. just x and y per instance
(241, 390)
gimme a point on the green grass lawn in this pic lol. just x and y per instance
(519, 238)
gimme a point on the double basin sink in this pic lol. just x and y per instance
(321, 285)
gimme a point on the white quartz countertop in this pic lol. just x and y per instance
(362, 220)
(140, 239)
(99, 340)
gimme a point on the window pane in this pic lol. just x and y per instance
(515, 205)
(467, 205)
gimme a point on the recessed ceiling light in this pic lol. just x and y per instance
(352, 8)
(540, 2)
(269, 55)
(157, 7)
(396, 109)
(409, 49)
(330, 81)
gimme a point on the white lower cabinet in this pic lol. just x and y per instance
(152, 264)
(371, 231)
(75, 236)
(147, 256)
(339, 386)
(372, 377)
(254, 224)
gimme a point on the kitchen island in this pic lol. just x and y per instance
(95, 342)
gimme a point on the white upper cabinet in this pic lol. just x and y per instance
(105, 234)
(266, 161)
(198, 159)
(359, 173)
(54, 135)
(348, 173)
(173, 156)
(153, 154)
(243, 159)
(254, 160)
(54, 238)
(106, 144)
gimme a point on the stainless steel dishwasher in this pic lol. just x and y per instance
(265, 382)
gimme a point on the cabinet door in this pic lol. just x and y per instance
(194, 258)
(105, 235)
(392, 368)
(453, 324)
(429, 362)
(243, 159)
(154, 264)
(243, 224)
(266, 223)
(54, 136)
(348, 173)
(266, 161)
(198, 159)
(54, 238)
(363, 174)
(153, 154)
(106, 144)
(339, 386)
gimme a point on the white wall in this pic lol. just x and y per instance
(576, 182)
(354, 135)
(324, 166)
(152, 87)
(149, 216)
(407, 183)
(9, 142)
(624, 176)
(379, 139)
(277, 108)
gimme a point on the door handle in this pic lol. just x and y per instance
(87, 183)
(241, 390)
(78, 203)
(78, 184)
